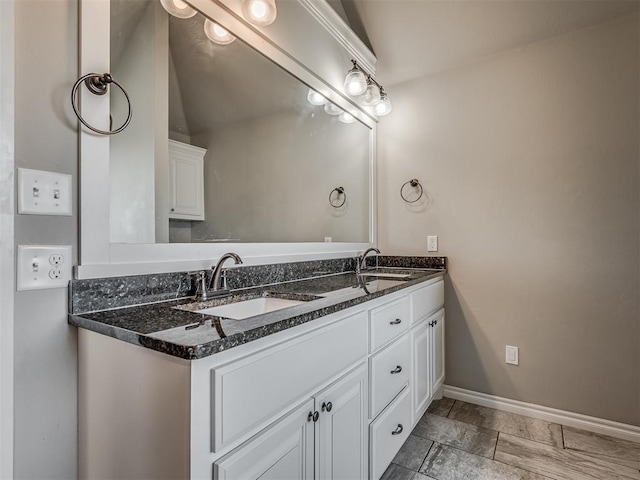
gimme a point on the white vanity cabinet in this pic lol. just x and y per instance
(334, 398)
(186, 181)
(324, 438)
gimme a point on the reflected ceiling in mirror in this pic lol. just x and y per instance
(270, 160)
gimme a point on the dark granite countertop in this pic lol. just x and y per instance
(175, 327)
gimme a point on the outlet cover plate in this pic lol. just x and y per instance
(43, 266)
(43, 193)
(432, 243)
(512, 354)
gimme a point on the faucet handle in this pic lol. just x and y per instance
(201, 287)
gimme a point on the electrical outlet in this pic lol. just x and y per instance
(432, 243)
(43, 266)
(511, 355)
(43, 193)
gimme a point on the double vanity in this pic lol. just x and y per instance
(303, 370)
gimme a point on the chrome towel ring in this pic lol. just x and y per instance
(98, 85)
(333, 199)
(415, 183)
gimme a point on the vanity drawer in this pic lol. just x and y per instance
(250, 393)
(426, 301)
(388, 322)
(389, 373)
(388, 433)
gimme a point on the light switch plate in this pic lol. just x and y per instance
(43, 193)
(432, 243)
(43, 266)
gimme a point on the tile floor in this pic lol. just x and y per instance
(455, 440)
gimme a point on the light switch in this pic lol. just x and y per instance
(43, 193)
(43, 266)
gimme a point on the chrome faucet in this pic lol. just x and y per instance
(361, 261)
(218, 283)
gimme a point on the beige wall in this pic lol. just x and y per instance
(45, 346)
(530, 161)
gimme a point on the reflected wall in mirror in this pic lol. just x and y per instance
(269, 158)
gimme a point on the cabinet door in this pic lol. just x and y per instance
(186, 181)
(421, 352)
(342, 428)
(284, 451)
(437, 345)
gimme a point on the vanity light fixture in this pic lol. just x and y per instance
(315, 98)
(355, 83)
(259, 12)
(217, 33)
(368, 93)
(371, 95)
(332, 109)
(178, 8)
(383, 107)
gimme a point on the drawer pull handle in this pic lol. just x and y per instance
(398, 430)
(395, 322)
(327, 406)
(398, 369)
(313, 416)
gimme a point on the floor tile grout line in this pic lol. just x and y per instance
(564, 447)
(496, 446)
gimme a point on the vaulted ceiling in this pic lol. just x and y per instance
(415, 38)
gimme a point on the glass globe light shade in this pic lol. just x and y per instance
(346, 117)
(332, 109)
(314, 98)
(384, 107)
(217, 33)
(371, 95)
(178, 8)
(259, 12)
(355, 83)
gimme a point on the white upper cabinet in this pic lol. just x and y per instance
(186, 181)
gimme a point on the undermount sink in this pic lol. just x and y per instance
(250, 308)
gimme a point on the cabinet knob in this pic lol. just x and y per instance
(431, 324)
(435, 322)
(173, 209)
(398, 369)
(395, 322)
(313, 416)
(398, 430)
(327, 406)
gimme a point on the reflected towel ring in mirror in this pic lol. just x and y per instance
(333, 199)
(415, 183)
(98, 85)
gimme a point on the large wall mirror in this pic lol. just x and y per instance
(224, 147)
(270, 158)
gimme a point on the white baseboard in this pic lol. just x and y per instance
(570, 419)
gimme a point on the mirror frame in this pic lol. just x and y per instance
(100, 258)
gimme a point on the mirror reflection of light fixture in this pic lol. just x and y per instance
(217, 33)
(384, 106)
(259, 12)
(355, 83)
(315, 98)
(346, 117)
(332, 109)
(178, 8)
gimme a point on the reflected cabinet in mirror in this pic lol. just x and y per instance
(224, 145)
